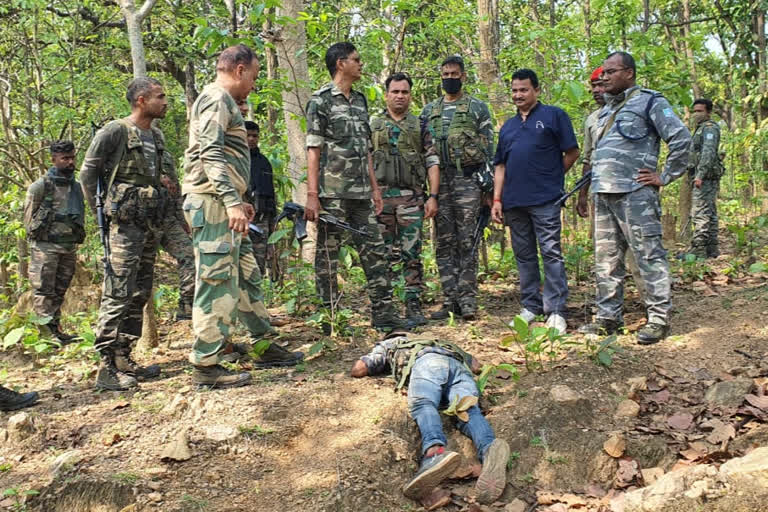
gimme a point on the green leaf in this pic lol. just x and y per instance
(260, 347)
(278, 235)
(521, 326)
(758, 267)
(314, 349)
(605, 358)
(13, 337)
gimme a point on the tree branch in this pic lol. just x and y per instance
(87, 15)
(142, 13)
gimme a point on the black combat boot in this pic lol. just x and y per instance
(184, 309)
(385, 319)
(11, 400)
(110, 378)
(444, 312)
(602, 326)
(413, 313)
(127, 365)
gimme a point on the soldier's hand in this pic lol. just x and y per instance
(238, 218)
(496, 213)
(582, 206)
(250, 211)
(697, 182)
(312, 208)
(649, 177)
(430, 208)
(378, 203)
(169, 184)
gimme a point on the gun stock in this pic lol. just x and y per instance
(103, 225)
(583, 181)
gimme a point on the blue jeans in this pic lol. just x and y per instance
(528, 225)
(436, 380)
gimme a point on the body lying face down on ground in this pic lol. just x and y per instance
(439, 374)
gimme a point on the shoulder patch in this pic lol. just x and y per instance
(710, 136)
(668, 112)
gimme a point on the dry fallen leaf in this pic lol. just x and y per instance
(437, 498)
(660, 397)
(761, 402)
(615, 446)
(120, 404)
(722, 433)
(680, 421)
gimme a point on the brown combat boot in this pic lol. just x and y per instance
(217, 376)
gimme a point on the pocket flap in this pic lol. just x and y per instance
(192, 203)
(652, 230)
(214, 247)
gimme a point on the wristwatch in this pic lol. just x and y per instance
(433, 196)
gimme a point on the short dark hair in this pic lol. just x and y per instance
(140, 87)
(397, 77)
(335, 52)
(453, 59)
(627, 60)
(704, 101)
(526, 74)
(233, 56)
(62, 146)
(251, 126)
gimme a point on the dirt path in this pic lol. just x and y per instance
(314, 439)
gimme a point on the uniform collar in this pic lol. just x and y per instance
(530, 112)
(54, 173)
(614, 99)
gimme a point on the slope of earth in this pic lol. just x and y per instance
(312, 438)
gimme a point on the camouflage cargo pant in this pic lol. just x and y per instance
(633, 221)
(401, 221)
(266, 222)
(459, 204)
(51, 267)
(373, 253)
(704, 219)
(176, 242)
(127, 289)
(228, 283)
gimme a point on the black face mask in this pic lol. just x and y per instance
(451, 85)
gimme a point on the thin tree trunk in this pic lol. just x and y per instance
(272, 66)
(133, 21)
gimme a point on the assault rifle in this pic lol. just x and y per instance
(584, 180)
(295, 212)
(482, 222)
(256, 229)
(103, 222)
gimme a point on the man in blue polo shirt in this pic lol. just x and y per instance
(536, 148)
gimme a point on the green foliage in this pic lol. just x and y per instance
(19, 498)
(489, 370)
(338, 320)
(23, 332)
(693, 268)
(534, 343)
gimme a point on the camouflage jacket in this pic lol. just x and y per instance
(632, 141)
(389, 145)
(481, 116)
(395, 355)
(55, 215)
(705, 157)
(173, 206)
(339, 126)
(218, 160)
(114, 150)
(590, 137)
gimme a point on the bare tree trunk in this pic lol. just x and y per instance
(190, 88)
(488, 68)
(291, 44)
(272, 66)
(23, 250)
(685, 200)
(133, 21)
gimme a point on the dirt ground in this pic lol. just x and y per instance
(312, 438)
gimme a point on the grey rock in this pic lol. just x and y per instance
(20, 427)
(729, 393)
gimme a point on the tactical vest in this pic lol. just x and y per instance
(133, 167)
(462, 145)
(401, 164)
(135, 194)
(403, 356)
(698, 144)
(52, 221)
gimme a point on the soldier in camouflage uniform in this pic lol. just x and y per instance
(463, 132)
(626, 188)
(126, 156)
(403, 159)
(341, 182)
(262, 191)
(175, 240)
(705, 170)
(54, 217)
(217, 165)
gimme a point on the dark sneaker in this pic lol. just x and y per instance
(276, 356)
(11, 400)
(388, 322)
(413, 313)
(602, 326)
(432, 471)
(445, 311)
(652, 333)
(111, 379)
(493, 477)
(468, 312)
(219, 377)
(125, 364)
